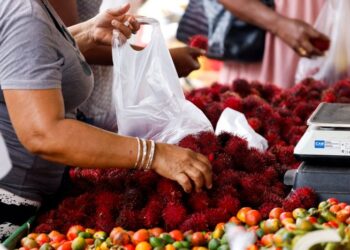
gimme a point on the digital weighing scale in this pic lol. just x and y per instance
(325, 152)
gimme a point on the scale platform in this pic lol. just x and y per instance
(327, 180)
(328, 135)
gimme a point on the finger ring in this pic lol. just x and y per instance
(302, 51)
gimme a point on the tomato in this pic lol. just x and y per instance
(234, 220)
(56, 236)
(89, 241)
(42, 238)
(275, 213)
(220, 226)
(65, 246)
(267, 240)
(285, 215)
(156, 231)
(198, 239)
(252, 217)
(342, 215)
(333, 201)
(334, 209)
(121, 238)
(177, 235)
(242, 212)
(73, 231)
(143, 245)
(114, 231)
(271, 225)
(312, 219)
(32, 236)
(29, 243)
(252, 247)
(140, 236)
(129, 247)
(342, 205)
(170, 247)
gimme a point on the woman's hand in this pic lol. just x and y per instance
(186, 59)
(102, 25)
(298, 35)
(183, 165)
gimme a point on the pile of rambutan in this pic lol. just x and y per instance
(242, 176)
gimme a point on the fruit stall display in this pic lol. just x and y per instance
(242, 177)
(281, 230)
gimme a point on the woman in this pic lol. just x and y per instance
(98, 108)
(44, 78)
(287, 39)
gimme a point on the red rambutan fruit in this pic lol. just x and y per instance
(190, 142)
(213, 112)
(236, 147)
(233, 102)
(221, 162)
(129, 219)
(198, 201)
(173, 215)
(255, 123)
(199, 41)
(196, 222)
(207, 142)
(169, 190)
(215, 216)
(265, 209)
(229, 204)
(151, 214)
(242, 87)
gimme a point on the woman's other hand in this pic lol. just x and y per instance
(184, 166)
(298, 35)
(186, 59)
(102, 26)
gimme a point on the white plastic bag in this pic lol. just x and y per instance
(147, 93)
(333, 21)
(235, 122)
(5, 165)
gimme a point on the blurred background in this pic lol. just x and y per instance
(168, 13)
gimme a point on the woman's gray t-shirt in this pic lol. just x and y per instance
(36, 53)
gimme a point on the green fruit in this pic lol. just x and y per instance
(85, 235)
(299, 213)
(186, 244)
(224, 239)
(158, 248)
(328, 216)
(100, 235)
(157, 242)
(78, 243)
(323, 205)
(295, 239)
(287, 237)
(271, 225)
(183, 248)
(213, 244)
(331, 246)
(260, 233)
(303, 224)
(168, 239)
(29, 243)
(46, 246)
(223, 247)
(109, 242)
(97, 243)
(177, 244)
(312, 211)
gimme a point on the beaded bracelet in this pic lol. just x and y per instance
(138, 152)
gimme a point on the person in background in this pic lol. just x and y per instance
(44, 78)
(99, 107)
(287, 39)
